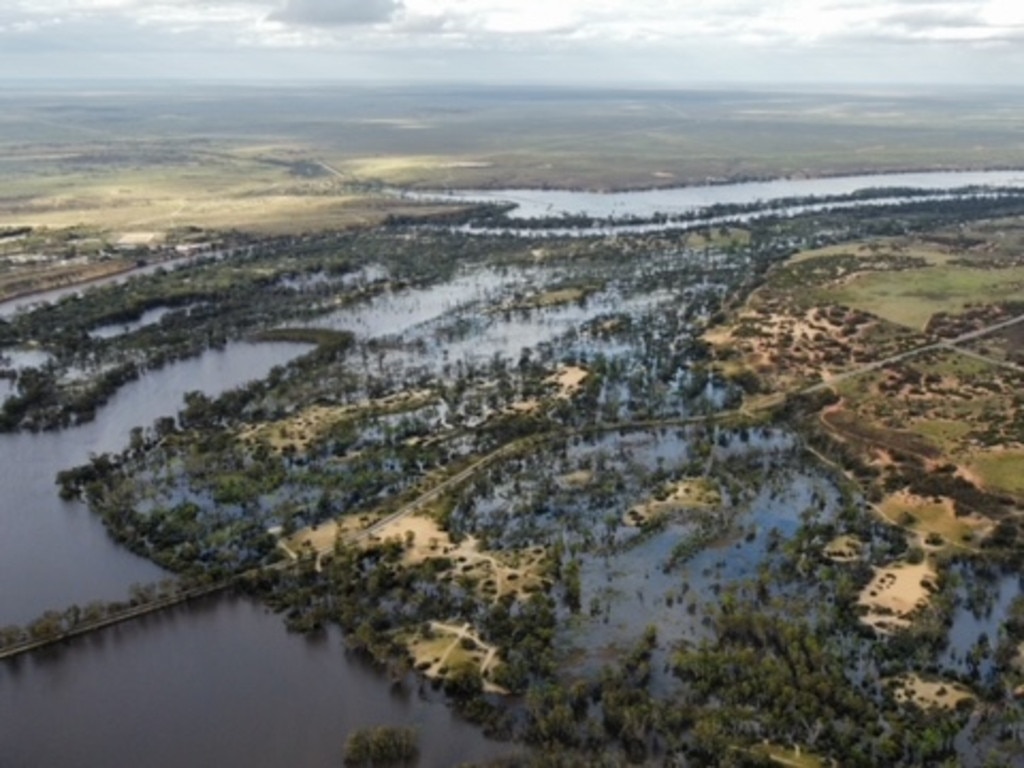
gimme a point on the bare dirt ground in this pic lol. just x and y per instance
(895, 593)
(34, 279)
(552, 298)
(579, 479)
(693, 493)
(931, 693)
(449, 647)
(569, 379)
(495, 574)
(844, 549)
(790, 347)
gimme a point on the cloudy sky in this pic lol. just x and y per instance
(642, 42)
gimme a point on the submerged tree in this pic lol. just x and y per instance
(381, 747)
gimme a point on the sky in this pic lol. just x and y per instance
(645, 43)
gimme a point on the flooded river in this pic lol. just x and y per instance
(218, 683)
(540, 203)
(52, 552)
(221, 682)
(215, 683)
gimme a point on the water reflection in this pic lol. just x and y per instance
(218, 683)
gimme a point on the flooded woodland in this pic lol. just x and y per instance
(503, 487)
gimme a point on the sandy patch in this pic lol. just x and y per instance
(581, 478)
(569, 379)
(553, 298)
(844, 549)
(525, 406)
(428, 540)
(394, 166)
(794, 757)
(790, 347)
(698, 493)
(322, 538)
(764, 402)
(931, 693)
(297, 432)
(718, 336)
(493, 574)
(895, 593)
(611, 326)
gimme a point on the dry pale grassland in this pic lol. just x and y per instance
(936, 516)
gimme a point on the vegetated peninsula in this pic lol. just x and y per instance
(739, 493)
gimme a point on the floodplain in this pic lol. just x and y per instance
(749, 490)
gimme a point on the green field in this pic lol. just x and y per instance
(944, 432)
(911, 297)
(1000, 471)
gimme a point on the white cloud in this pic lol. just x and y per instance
(333, 13)
(710, 36)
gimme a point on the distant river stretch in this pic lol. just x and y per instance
(540, 203)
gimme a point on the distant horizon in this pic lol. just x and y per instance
(866, 88)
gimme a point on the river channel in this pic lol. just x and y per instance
(540, 203)
(221, 682)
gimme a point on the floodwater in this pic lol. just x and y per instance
(53, 550)
(976, 627)
(216, 683)
(221, 682)
(148, 318)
